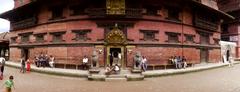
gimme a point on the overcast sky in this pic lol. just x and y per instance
(5, 5)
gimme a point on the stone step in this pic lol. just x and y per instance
(116, 79)
(135, 77)
(116, 76)
(136, 71)
(96, 77)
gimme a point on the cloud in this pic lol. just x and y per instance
(6, 5)
(4, 25)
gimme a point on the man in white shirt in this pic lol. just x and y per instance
(85, 61)
(2, 61)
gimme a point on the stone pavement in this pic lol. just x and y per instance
(147, 74)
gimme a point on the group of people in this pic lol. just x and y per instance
(23, 65)
(44, 60)
(112, 69)
(178, 61)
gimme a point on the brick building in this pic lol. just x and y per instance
(231, 28)
(71, 29)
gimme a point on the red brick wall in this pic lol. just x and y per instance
(15, 54)
(214, 55)
(160, 55)
(157, 52)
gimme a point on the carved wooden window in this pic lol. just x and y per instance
(40, 37)
(13, 40)
(189, 38)
(173, 37)
(173, 14)
(81, 35)
(115, 7)
(25, 38)
(78, 10)
(57, 12)
(149, 35)
(57, 36)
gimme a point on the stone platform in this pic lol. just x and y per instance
(124, 75)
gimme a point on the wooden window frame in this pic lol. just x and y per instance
(189, 38)
(173, 14)
(57, 12)
(55, 36)
(37, 37)
(84, 33)
(152, 32)
(173, 37)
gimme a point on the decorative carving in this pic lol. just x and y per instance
(116, 36)
(137, 60)
(95, 59)
(115, 7)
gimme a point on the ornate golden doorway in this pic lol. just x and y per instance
(115, 45)
(115, 55)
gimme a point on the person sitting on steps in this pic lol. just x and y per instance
(116, 69)
(108, 70)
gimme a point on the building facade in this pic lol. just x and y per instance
(231, 28)
(158, 29)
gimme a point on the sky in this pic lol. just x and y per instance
(5, 5)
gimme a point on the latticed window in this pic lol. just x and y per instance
(25, 38)
(57, 36)
(173, 37)
(189, 38)
(81, 35)
(39, 37)
(13, 40)
(57, 12)
(149, 35)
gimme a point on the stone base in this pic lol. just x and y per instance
(136, 71)
(96, 77)
(135, 77)
(94, 71)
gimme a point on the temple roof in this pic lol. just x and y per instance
(194, 3)
(4, 37)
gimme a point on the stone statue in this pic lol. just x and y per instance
(94, 59)
(137, 60)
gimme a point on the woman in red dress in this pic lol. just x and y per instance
(28, 65)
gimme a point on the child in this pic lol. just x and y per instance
(28, 65)
(9, 84)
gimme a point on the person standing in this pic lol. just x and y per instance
(51, 62)
(28, 65)
(144, 63)
(22, 61)
(85, 62)
(176, 62)
(2, 61)
(9, 84)
(184, 61)
(111, 59)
